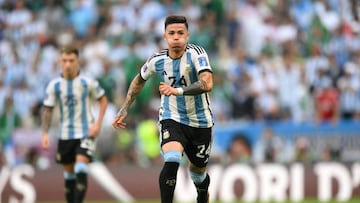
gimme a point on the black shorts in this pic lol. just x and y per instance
(196, 141)
(68, 149)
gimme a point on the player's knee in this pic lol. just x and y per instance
(69, 176)
(80, 167)
(172, 156)
(197, 177)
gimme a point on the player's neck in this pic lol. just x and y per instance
(175, 54)
(70, 76)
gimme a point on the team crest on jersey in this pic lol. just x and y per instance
(203, 61)
(187, 68)
(165, 134)
(58, 157)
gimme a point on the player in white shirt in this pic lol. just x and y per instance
(185, 116)
(73, 93)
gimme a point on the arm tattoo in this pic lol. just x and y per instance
(135, 87)
(196, 88)
(46, 118)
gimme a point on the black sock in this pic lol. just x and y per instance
(81, 186)
(167, 181)
(202, 190)
(69, 190)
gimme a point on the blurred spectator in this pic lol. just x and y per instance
(3, 92)
(265, 84)
(221, 98)
(54, 14)
(107, 81)
(334, 70)
(349, 88)
(328, 17)
(338, 46)
(240, 150)
(15, 71)
(17, 19)
(288, 73)
(269, 148)
(106, 144)
(233, 29)
(303, 12)
(95, 53)
(148, 140)
(315, 63)
(190, 9)
(250, 15)
(327, 108)
(9, 120)
(242, 94)
(125, 152)
(83, 16)
(331, 154)
(302, 151)
(24, 102)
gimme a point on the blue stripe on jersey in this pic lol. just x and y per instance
(57, 93)
(159, 68)
(70, 103)
(84, 120)
(199, 107)
(180, 100)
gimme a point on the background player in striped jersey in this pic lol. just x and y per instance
(185, 116)
(78, 128)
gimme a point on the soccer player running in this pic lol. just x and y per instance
(78, 128)
(185, 117)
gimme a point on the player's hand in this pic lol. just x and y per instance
(45, 142)
(167, 90)
(94, 130)
(119, 120)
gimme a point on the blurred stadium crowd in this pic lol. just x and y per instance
(273, 60)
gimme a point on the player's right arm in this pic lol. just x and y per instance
(45, 124)
(135, 87)
(46, 115)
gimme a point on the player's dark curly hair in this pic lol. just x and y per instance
(176, 19)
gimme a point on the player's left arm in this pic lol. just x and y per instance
(135, 88)
(95, 128)
(46, 117)
(46, 114)
(205, 76)
(204, 84)
(98, 93)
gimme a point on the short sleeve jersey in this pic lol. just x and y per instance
(191, 110)
(74, 99)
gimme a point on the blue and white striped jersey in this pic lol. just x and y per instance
(189, 110)
(74, 100)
